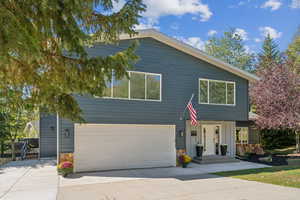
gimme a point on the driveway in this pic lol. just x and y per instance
(193, 183)
(29, 179)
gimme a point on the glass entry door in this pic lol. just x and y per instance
(211, 137)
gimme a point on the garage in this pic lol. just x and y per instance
(123, 146)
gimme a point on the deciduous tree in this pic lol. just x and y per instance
(277, 99)
(293, 52)
(14, 115)
(230, 48)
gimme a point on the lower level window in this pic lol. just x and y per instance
(242, 135)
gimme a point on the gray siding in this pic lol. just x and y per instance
(48, 133)
(180, 74)
(254, 136)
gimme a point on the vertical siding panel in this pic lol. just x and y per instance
(48, 139)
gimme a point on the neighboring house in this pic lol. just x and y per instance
(139, 123)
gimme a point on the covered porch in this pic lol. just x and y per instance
(211, 135)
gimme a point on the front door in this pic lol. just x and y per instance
(208, 138)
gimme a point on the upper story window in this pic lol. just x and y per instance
(216, 92)
(140, 86)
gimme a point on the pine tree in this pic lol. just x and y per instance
(269, 53)
(230, 48)
(43, 49)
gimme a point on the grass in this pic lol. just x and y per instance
(283, 151)
(279, 175)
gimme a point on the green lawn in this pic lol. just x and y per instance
(280, 175)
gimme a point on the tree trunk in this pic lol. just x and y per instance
(2, 148)
(297, 141)
(13, 151)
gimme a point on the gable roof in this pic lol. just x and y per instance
(152, 33)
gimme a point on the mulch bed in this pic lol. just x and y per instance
(274, 160)
(28, 155)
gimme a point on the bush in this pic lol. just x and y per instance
(65, 168)
(184, 160)
(274, 139)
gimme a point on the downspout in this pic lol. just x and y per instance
(39, 155)
(57, 138)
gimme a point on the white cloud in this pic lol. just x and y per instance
(118, 5)
(212, 32)
(196, 42)
(240, 3)
(146, 25)
(156, 9)
(271, 31)
(257, 40)
(248, 49)
(242, 33)
(295, 4)
(272, 4)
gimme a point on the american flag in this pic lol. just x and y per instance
(193, 114)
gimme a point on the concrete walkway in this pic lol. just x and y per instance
(29, 179)
(193, 187)
(125, 175)
(176, 183)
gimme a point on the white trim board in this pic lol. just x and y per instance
(152, 33)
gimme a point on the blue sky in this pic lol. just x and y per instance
(194, 21)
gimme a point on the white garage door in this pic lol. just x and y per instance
(123, 146)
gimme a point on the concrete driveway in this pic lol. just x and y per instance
(193, 183)
(29, 179)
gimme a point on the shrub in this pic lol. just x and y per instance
(274, 139)
(65, 168)
(184, 159)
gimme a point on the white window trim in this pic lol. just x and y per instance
(129, 92)
(208, 100)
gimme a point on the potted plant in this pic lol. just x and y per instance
(224, 149)
(184, 160)
(199, 150)
(65, 168)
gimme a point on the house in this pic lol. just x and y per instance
(140, 122)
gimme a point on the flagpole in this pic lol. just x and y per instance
(186, 106)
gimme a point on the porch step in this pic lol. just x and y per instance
(214, 159)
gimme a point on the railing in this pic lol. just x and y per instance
(24, 150)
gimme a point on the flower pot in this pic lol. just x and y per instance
(223, 150)
(184, 165)
(199, 151)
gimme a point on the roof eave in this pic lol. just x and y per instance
(190, 50)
